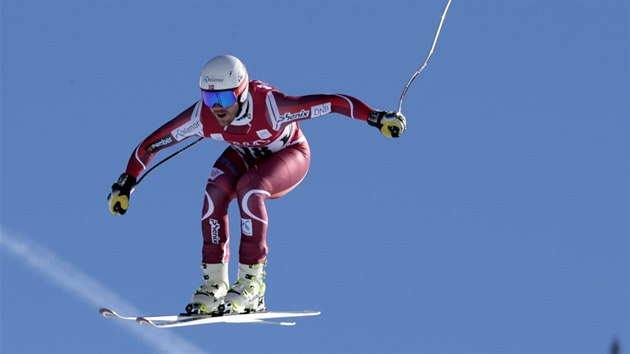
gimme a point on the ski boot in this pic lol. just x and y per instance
(248, 293)
(207, 299)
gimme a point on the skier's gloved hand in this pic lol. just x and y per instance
(118, 199)
(391, 124)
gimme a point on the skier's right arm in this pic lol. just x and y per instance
(185, 125)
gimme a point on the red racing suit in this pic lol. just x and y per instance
(267, 157)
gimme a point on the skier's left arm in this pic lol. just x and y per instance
(291, 108)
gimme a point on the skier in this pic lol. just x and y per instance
(266, 158)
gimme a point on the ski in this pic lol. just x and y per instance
(170, 321)
(105, 312)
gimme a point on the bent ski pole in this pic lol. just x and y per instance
(164, 160)
(426, 61)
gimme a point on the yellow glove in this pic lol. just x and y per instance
(118, 199)
(391, 124)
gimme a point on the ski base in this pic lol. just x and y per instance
(170, 321)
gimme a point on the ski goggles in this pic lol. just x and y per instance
(223, 98)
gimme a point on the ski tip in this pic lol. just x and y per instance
(145, 321)
(106, 312)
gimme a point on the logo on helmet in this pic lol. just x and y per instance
(208, 79)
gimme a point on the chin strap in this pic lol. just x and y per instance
(243, 110)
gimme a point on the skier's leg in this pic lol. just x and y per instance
(271, 177)
(220, 190)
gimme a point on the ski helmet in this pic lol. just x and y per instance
(225, 72)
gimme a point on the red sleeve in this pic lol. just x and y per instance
(185, 125)
(285, 109)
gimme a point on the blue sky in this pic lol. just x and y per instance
(497, 223)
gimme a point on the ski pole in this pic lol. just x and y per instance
(426, 61)
(164, 160)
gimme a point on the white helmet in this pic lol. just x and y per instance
(225, 72)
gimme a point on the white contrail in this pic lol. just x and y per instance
(90, 291)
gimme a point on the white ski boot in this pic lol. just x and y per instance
(248, 293)
(207, 299)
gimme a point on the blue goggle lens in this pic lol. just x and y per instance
(224, 98)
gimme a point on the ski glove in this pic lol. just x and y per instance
(118, 199)
(391, 124)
